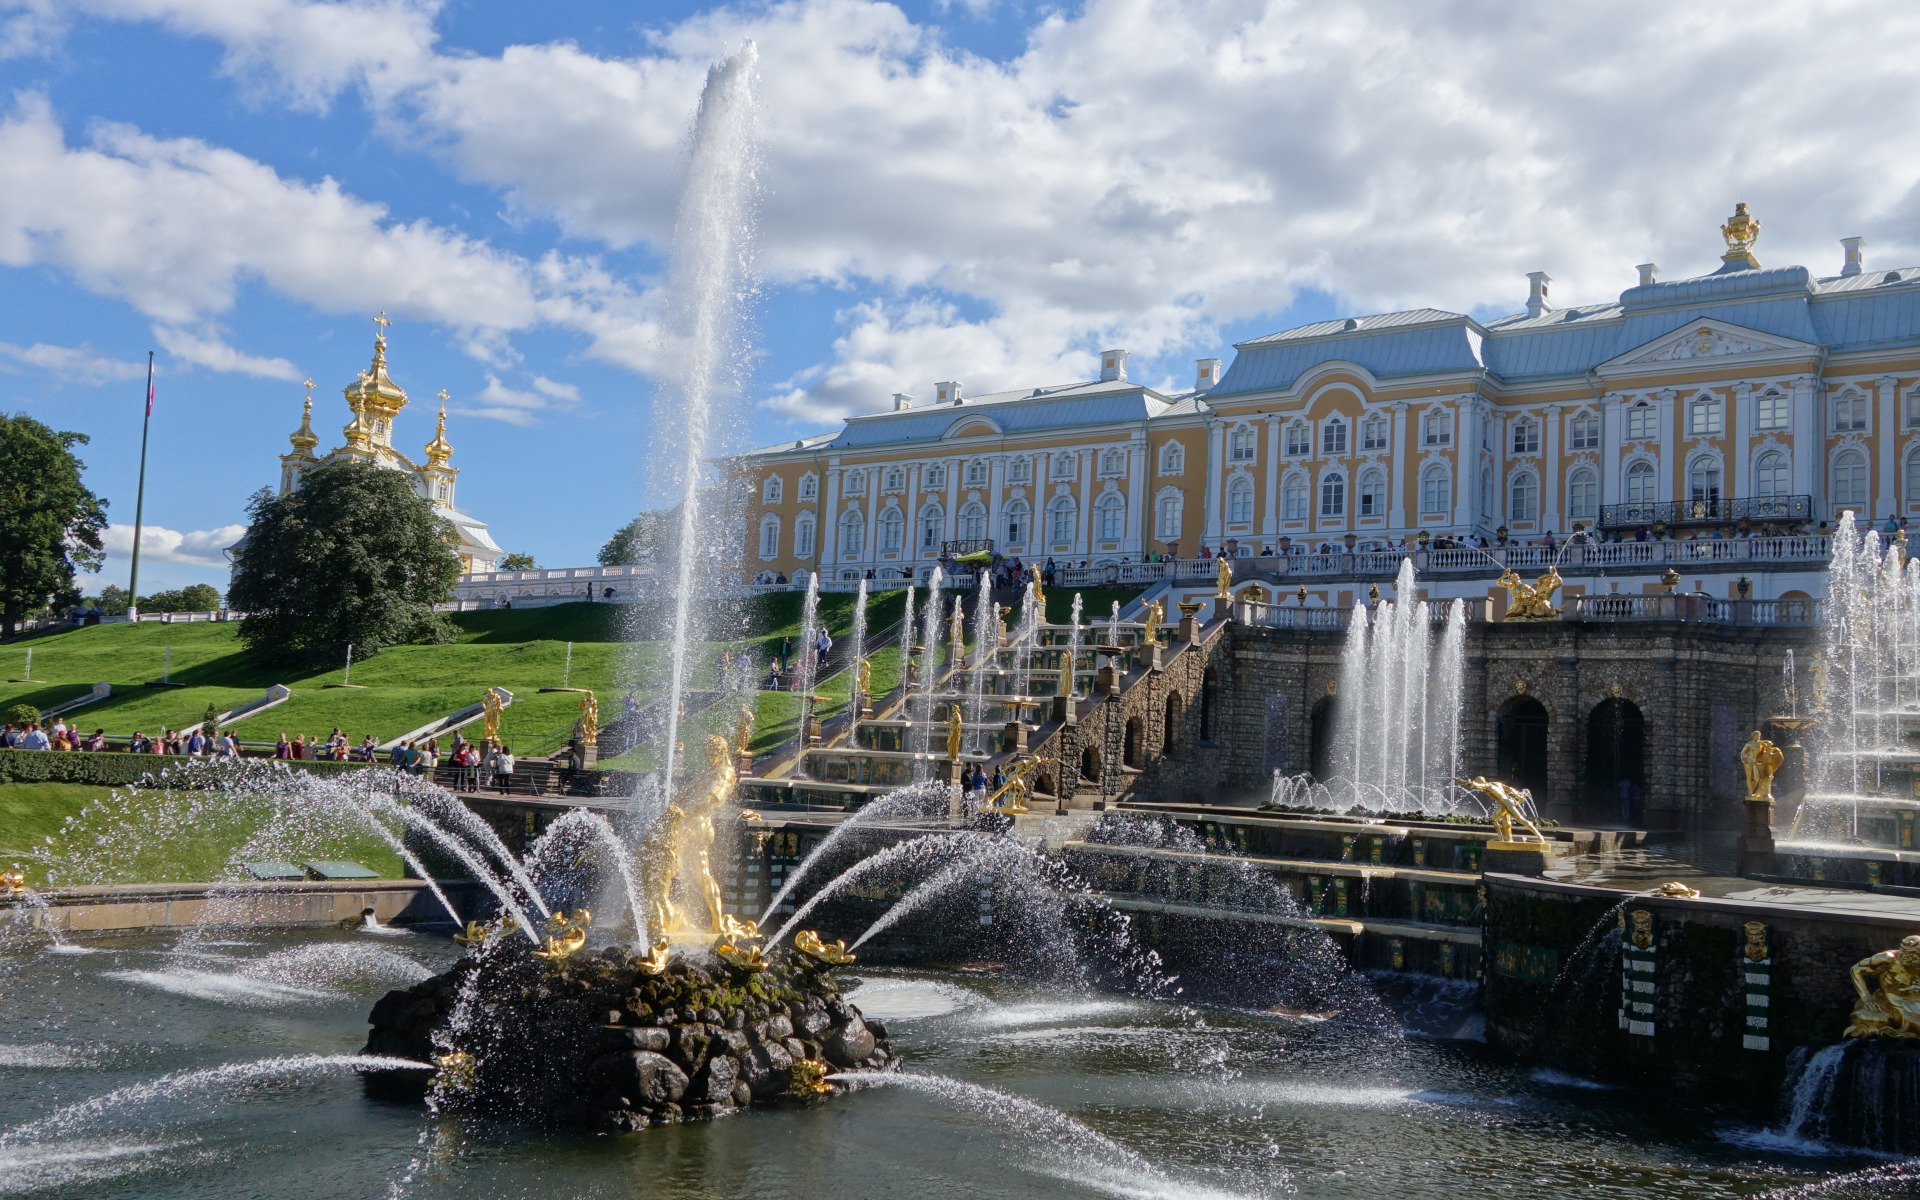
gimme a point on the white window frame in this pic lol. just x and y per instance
(1436, 427)
(976, 473)
(933, 528)
(1436, 481)
(1374, 432)
(1523, 497)
(1066, 464)
(1333, 496)
(1299, 440)
(1333, 438)
(892, 529)
(1240, 501)
(1773, 474)
(973, 522)
(1852, 411)
(1173, 459)
(1641, 475)
(1170, 511)
(1019, 469)
(1526, 436)
(1849, 466)
(1706, 416)
(1583, 431)
(1583, 494)
(769, 537)
(1016, 522)
(772, 489)
(1643, 422)
(853, 533)
(1110, 517)
(1371, 495)
(1242, 444)
(1771, 413)
(894, 480)
(935, 476)
(1063, 516)
(1295, 497)
(803, 533)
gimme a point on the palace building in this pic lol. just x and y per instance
(375, 401)
(1751, 401)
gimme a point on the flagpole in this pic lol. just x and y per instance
(140, 501)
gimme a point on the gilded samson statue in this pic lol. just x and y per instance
(1889, 988)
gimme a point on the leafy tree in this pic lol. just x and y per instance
(49, 522)
(517, 562)
(112, 600)
(195, 597)
(353, 556)
(23, 714)
(649, 537)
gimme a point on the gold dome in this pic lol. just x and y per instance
(438, 450)
(303, 438)
(374, 394)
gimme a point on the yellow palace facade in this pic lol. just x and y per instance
(1747, 402)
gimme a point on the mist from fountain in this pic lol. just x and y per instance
(986, 653)
(927, 848)
(920, 799)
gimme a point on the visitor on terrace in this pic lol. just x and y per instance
(282, 749)
(98, 742)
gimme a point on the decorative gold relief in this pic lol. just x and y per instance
(1888, 984)
(832, 953)
(1756, 941)
(1641, 922)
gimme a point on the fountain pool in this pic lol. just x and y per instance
(1011, 1090)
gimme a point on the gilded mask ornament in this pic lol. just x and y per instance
(1756, 941)
(1641, 922)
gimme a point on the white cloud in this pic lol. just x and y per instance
(498, 402)
(1144, 171)
(80, 364)
(215, 354)
(197, 548)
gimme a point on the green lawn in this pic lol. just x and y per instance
(159, 837)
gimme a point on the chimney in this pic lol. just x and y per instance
(902, 402)
(1206, 373)
(1113, 366)
(943, 392)
(1649, 273)
(1852, 246)
(1537, 293)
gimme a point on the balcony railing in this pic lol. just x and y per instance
(1691, 606)
(1707, 512)
(966, 546)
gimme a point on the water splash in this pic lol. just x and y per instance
(919, 799)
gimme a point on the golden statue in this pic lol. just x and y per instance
(456, 1070)
(1756, 941)
(1154, 614)
(1890, 1008)
(654, 961)
(953, 732)
(476, 933)
(1223, 579)
(677, 849)
(1039, 592)
(566, 935)
(1508, 807)
(865, 678)
(834, 954)
(743, 732)
(1066, 672)
(1017, 787)
(12, 882)
(588, 727)
(1531, 602)
(491, 706)
(747, 957)
(1761, 758)
(809, 1079)
(957, 628)
(1742, 230)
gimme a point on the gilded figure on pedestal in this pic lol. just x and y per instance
(1888, 984)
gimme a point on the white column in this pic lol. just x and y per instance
(1270, 524)
(1739, 421)
(828, 533)
(996, 478)
(870, 551)
(1550, 417)
(1887, 490)
(1136, 496)
(910, 536)
(1466, 460)
(1082, 541)
(1216, 464)
(1664, 407)
(1399, 455)
(1613, 418)
(951, 527)
(1809, 443)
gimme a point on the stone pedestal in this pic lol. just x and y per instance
(743, 763)
(1755, 848)
(956, 797)
(1108, 680)
(1065, 711)
(1153, 657)
(1222, 607)
(1189, 629)
(1517, 858)
(1013, 739)
(813, 731)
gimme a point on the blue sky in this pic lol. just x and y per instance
(990, 192)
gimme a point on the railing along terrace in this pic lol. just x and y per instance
(1692, 606)
(1714, 511)
(966, 546)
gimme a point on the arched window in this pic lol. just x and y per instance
(809, 486)
(1169, 511)
(1293, 498)
(1333, 438)
(1913, 480)
(1703, 479)
(973, 522)
(1017, 522)
(803, 536)
(853, 533)
(1641, 488)
(1373, 433)
(1061, 517)
(1240, 444)
(1436, 427)
(769, 536)
(1112, 514)
(1583, 495)
(1849, 480)
(771, 490)
(936, 474)
(933, 527)
(1849, 411)
(892, 526)
(1173, 459)
(1526, 436)
(1523, 497)
(977, 473)
(1773, 475)
(1333, 496)
(1240, 501)
(1372, 493)
(1299, 441)
(1436, 490)
(1065, 464)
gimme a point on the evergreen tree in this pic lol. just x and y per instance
(352, 556)
(50, 523)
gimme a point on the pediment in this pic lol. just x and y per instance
(973, 427)
(1700, 341)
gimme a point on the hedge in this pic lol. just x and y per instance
(116, 768)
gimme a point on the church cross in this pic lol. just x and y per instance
(383, 323)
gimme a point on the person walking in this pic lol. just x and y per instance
(503, 765)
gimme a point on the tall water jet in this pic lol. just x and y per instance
(1396, 740)
(857, 651)
(707, 288)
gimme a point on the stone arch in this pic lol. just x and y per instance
(1616, 767)
(1209, 690)
(1132, 752)
(1170, 728)
(1320, 724)
(1520, 745)
(1090, 763)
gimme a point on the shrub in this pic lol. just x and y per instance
(22, 714)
